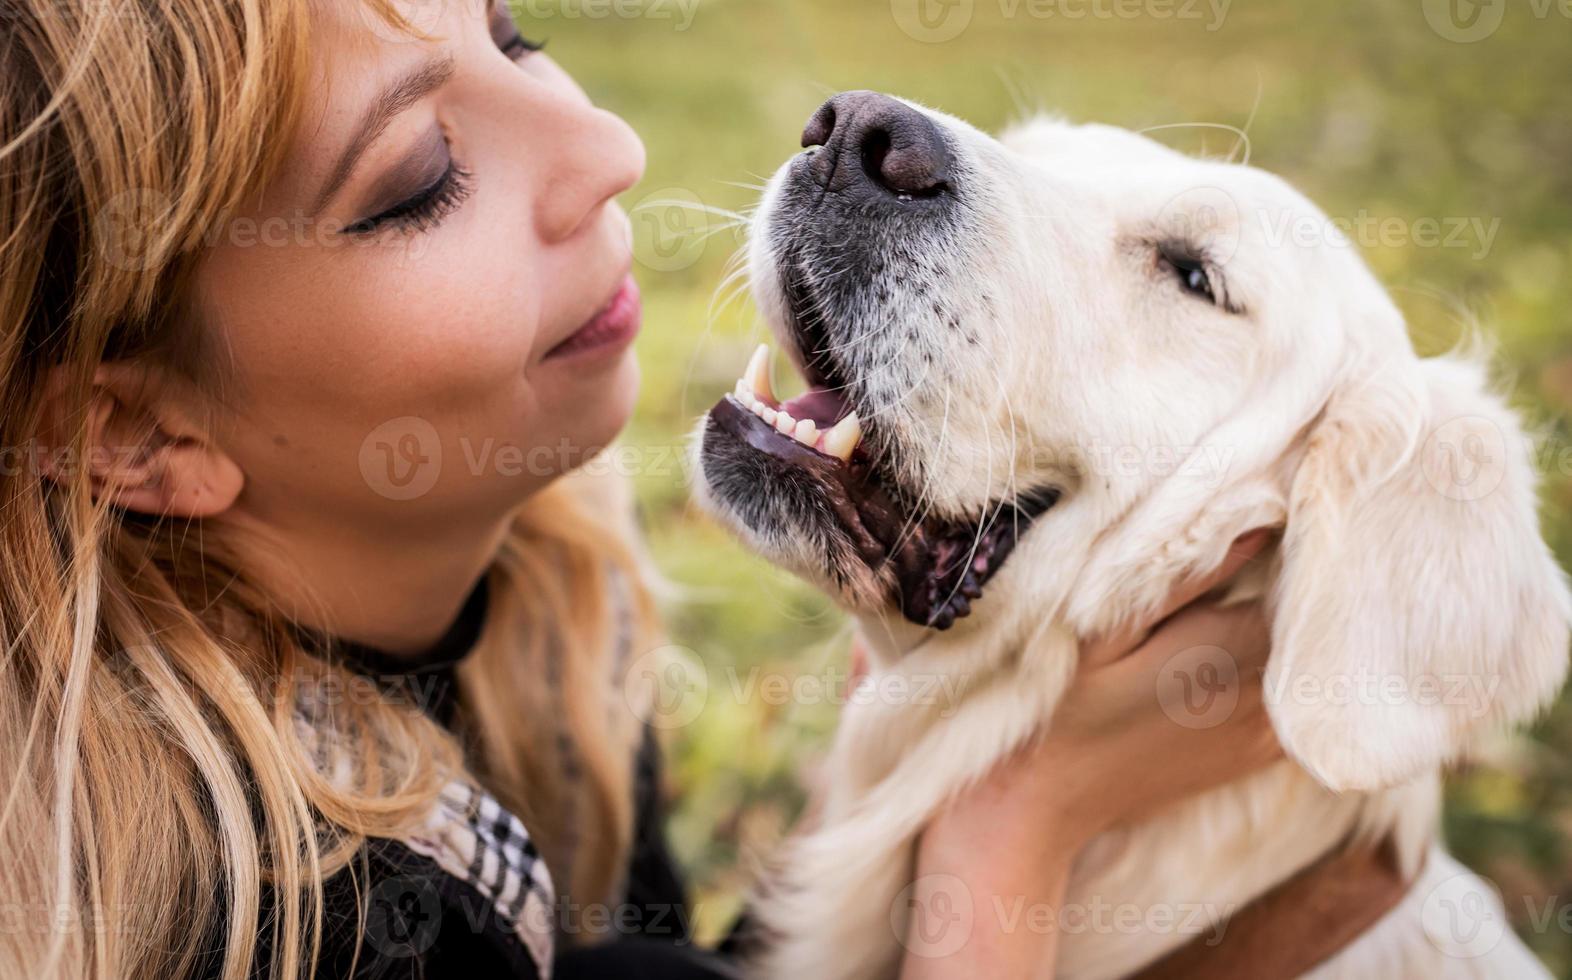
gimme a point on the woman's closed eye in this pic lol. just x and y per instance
(421, 190)
(438, 197)
(507, 37)
(424, 208)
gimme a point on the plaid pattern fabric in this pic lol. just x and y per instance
(476, 840)
(468, 834)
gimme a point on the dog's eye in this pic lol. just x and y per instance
(1194, 278)
(1191, 272)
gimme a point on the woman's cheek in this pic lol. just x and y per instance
(465, 326)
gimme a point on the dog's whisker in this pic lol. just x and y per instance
(735, 278)
(985, 525)
(1260, 87)
(1243, 136)
(677, 202)
(732, 288)
(696, 236)
(1024, 105)
(924, 502)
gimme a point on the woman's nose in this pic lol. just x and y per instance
(602, 157)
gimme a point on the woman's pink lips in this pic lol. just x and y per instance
(614, 326)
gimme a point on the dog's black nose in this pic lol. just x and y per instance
(874, 140)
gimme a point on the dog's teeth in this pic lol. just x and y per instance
(784, 424)
(743, 392)
(768, 414)
(807, 432)
(843, 438)
(757, 377)
(759, 408)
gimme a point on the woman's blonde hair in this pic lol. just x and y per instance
(156, 779)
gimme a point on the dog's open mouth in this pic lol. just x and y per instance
(935, 567)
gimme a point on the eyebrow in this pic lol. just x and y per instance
(397, 97)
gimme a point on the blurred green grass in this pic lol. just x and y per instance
(1364, 106)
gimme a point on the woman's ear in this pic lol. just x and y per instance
(143, 450)
(1418, 605)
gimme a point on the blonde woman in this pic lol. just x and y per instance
(282, 694)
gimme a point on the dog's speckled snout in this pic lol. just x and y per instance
(873, 144)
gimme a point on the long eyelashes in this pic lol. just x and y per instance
(517, 46)
(424, 209)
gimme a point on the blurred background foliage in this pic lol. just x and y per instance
(1375, 109)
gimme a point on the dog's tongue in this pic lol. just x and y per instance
(825, 406)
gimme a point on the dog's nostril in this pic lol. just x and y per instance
(875, 151)
(917, 167)
(820, 126)
(899, 148)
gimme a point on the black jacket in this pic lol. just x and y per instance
(420, 921)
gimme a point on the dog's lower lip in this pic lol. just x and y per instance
(937, 567)
(614, 326)
(873, 526)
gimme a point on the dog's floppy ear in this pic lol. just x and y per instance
(1417, 604)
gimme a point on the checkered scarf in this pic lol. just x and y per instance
(476, 840)
(470, 836)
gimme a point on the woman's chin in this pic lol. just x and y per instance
(598, 418)
(622, 395)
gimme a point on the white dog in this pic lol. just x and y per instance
(1050, 376)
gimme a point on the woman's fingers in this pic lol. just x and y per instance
(1185, 712)
(1243, 631)
(1102, 650)
(1203, 649)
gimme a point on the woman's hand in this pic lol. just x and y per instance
(1148, 720)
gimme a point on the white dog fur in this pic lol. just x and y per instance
(1411, 564)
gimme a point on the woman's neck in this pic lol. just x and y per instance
(394, 589)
